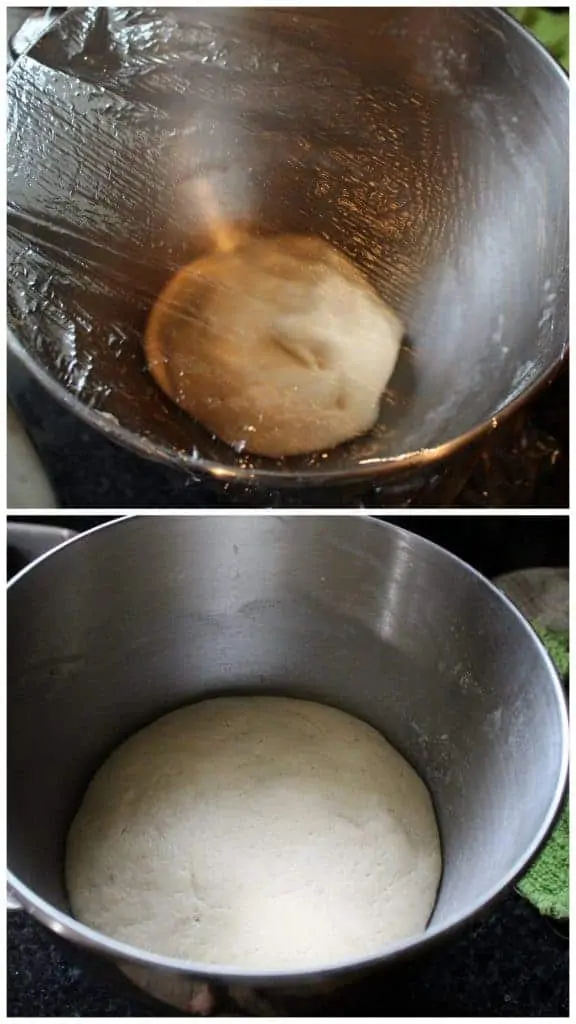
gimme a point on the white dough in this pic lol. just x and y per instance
(255, 832)
(281, 346)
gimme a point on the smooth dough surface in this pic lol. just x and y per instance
(280, 347)
(256, 832)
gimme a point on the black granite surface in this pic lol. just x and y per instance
(511, 965)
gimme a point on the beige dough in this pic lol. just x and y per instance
(255, 832)
(280, 347)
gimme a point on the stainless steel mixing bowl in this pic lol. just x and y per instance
(428, 144)
(147, 614)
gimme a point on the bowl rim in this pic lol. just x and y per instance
(278, 477)
(68, 927)
(372, 471)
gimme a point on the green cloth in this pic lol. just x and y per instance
(557, 643)
(546, 884)
(552, 28)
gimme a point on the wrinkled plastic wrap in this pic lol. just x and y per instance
(430, 145)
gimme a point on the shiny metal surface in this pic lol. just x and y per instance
(139, 617)
(30, 541)
(428, 144)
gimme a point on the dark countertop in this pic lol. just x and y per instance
(511, 965)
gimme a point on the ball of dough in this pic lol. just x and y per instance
(262, 833)
(280, 347)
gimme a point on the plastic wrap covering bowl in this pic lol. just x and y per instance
(428, 145)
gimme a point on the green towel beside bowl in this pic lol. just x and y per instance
(547, 883)
(552, 28)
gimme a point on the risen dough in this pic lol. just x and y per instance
(257, 832)
(280, 346)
